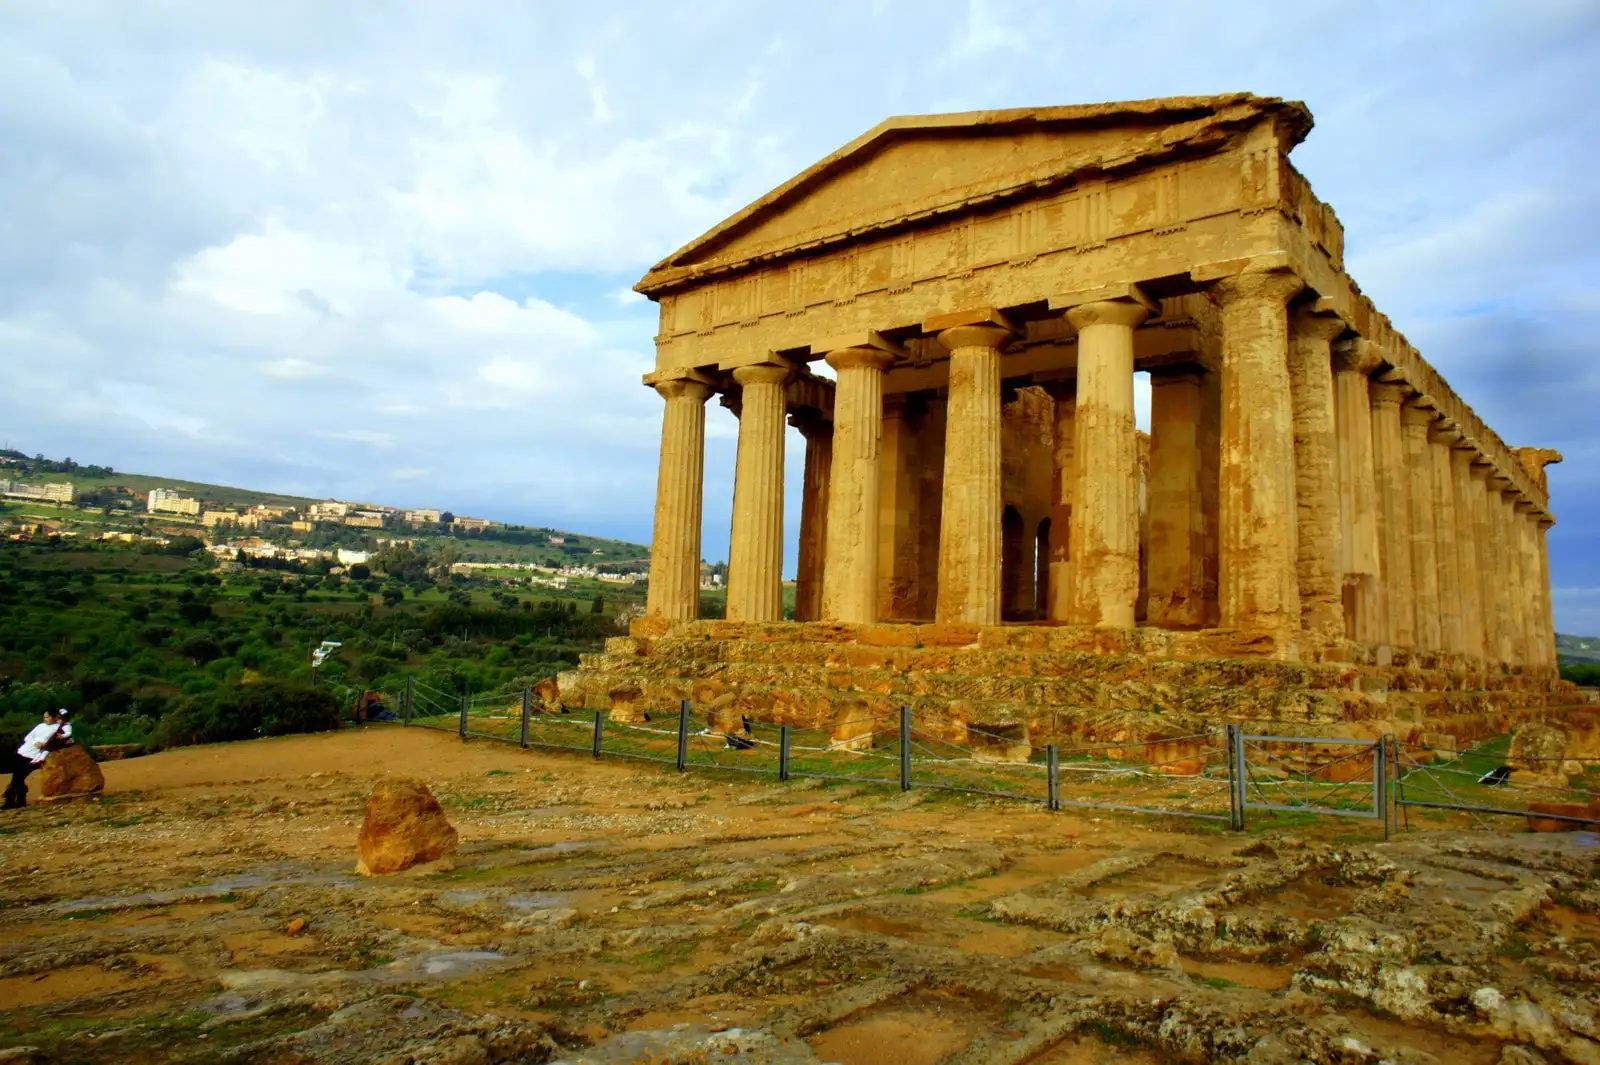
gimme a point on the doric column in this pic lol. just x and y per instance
(1547, 636)
(1442, 436)
(755, 551)
(898, 518)
(930, 502)
(1415, 417)
(1259, 586)
(813, 515)
(674, 590)
(1104, 536)
(969, 528)
(1467, 552)
(1514, 596)
(1490, 579)
(1316, 473)
(1365, 609)
(1062, 473)
(849, 579)
(1532, 612)
(1175, 544)
(1394, 512)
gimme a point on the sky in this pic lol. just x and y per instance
(383, 251)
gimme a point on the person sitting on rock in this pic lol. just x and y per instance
(54, 733)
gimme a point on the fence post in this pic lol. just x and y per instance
(905, 748)
(411, 690)
(599, 730)
(783, 752)
(1052, 765)
(1235, 755)
(466, 704)
(1380, 780)
(527, 711)
(683, 734)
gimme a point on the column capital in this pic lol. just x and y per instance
(675, 387)
(766, 373)
(860, 338)
(811, 423)
(1444, 431)
(1277, 285)
(1522, 506)
(1357, 354)
(1389, 393)
(873, 357)
(1177, 374)
(1418, 412)
(1124, 312)
(1125, 292)
(978, 316)
(1321, 327)
(976, 336)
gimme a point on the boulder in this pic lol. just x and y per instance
(549, 693)
(404, 825)
(1539, 748)
(1560, 809)
(70, 772)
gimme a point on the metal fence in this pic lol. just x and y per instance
(1219, 775)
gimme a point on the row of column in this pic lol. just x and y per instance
(1345, 505)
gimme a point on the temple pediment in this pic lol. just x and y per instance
(906, 170)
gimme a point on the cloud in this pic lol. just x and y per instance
(384, 251)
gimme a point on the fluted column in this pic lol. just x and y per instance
(1175, 543)
(1259, 585)
(1365, 610)
(755, 551)
(1061, 488)
(1514, 595)
(1532, 613)
(1442, 435)
(969, 530)
(1415, 418)
(1490, 580)
(1316, 473)
(1394, 512)
(674, 590)
(1547, 594)
(1104, 537)
(1467, 553)
(813, 515)
(898, 517)
(849, 580)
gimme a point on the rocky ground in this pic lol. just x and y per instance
(205, 910)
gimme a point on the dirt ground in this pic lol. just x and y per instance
(612, 912)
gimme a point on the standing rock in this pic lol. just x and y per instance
(70, 772)
(404, 825)
(1540, 748)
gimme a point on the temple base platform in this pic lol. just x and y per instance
(1059, 684)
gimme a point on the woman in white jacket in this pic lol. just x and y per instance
(54, 733)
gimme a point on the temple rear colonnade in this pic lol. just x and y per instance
(975, 458)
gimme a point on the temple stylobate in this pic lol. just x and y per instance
(984, 288)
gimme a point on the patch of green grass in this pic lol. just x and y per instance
(122, 822)
(663, 958)
(757, 887)
(1111, 1035)
(498, 773)
(1218, 982)
(1516, 948)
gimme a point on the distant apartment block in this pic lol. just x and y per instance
(210, 518)
(302, 526)
(166, 501)
(328, 509)
(364, 520)
(556, 539)
(58, 492)
(422, 517)
(271, 511)
(476, 524)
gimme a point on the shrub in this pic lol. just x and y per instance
(242, 711)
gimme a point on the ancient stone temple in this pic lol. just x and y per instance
(1316, 528)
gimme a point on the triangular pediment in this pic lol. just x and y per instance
(908, 169)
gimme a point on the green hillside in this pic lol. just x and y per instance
(224, 496)
(1577, 648)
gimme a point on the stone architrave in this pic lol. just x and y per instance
(674, 591)
(849, 580)
(969, 528)
(1442, 436)
(755, 550)
(813, 515)
(1316, 473)
(1467, 557)
(1360, 561)
(1176, 537)
(1104, 534)
(1259, 587)
(1415, 417)
(1394, 511)
(1062, 473)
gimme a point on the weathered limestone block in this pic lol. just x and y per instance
(70, 772)
(991, 742)
(404, 825)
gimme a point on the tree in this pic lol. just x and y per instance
(393, 594)
(446, 517)
(599, 605)
(360, 571)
